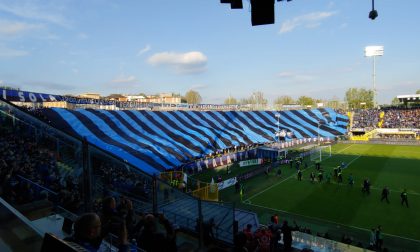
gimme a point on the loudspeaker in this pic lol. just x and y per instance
(236, 4)
(373, 14)
(262, 12)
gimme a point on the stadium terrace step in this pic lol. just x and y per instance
(184, 213)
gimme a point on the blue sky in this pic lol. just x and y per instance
(315, 48)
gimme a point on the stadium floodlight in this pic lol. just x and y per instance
(234, 4)
(262, 12)
(373, 51)
(373, 13)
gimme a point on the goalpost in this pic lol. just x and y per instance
(320, 153)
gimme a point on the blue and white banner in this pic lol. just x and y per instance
(23, 96)
(226, 183)
(220, 161)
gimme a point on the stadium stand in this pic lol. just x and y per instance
(392, 118)
(137, 193)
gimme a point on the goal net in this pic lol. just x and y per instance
(320, 153)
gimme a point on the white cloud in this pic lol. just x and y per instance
(185, 63)
(30, 9)
(7, 52)
(310, 20)
(144, 50)
(75, 70)
(10, 28)
(125, 79)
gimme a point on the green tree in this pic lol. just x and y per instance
(258, 98)
(193, 97)
(245, 101)
(418, 91)
(305, 101)
(230, 101)
(359, 98)
(333, 103)
(395, 101)
(284, 99)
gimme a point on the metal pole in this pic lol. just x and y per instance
(87, 176)
(278, 128)
(374, 82)
(318, 133)
(154, 195)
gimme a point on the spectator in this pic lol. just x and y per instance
(240, 242)
(208, 231)
(151, 240)
(87, 233)
(287, 235)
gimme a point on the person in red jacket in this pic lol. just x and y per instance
(263, 237)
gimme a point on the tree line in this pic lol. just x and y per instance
(354, 98)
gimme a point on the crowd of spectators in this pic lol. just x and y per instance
(38, 112)
(402, 118)
(29, 172)
(122, 179)
(267, 238)
(392, 118)
(148, 232)
(25, 163)
(367, 118)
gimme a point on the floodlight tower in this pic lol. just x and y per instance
(373, 51)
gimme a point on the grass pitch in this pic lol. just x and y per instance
(397, 167)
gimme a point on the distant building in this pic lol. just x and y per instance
(117, 97)
(170, 98)
(136, 98)
(90, 95)
(166, 98)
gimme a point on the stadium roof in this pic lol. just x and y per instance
(409, 98)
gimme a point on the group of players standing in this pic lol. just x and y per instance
(338, 177)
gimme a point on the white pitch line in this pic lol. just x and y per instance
(354, 159)
(345, 148)
(268, 188)
(332, 222)
(294, 174)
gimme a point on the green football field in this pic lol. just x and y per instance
(333, 204)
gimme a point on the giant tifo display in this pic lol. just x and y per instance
(156, 141)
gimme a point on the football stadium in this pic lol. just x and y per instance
(168, 172)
